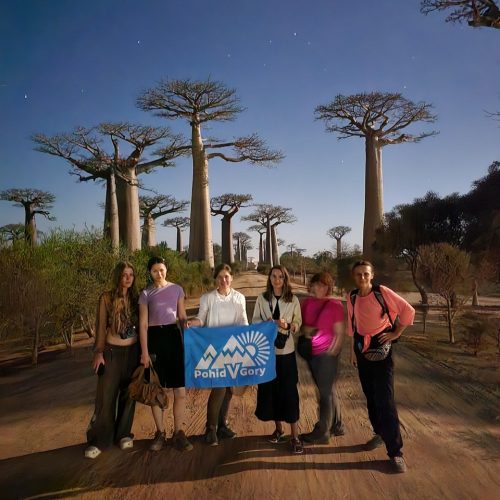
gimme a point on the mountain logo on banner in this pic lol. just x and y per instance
(243, 354)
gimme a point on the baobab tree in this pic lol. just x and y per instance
(179, 223)
(337, 233)
(379, 118)
(261, 230)
(199, 102)
(12, 233)
(476, 13)
(228, 205)
(34, 201)
(153, 207)
(270, 216)
(84, 150)
(242, 243)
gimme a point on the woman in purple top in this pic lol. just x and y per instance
(323, 320)
(160, 306)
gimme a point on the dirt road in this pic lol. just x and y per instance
(451, 430)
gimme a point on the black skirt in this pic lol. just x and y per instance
(278, 400)
(166, 348)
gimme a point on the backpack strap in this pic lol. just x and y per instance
(352, 297)
(380, 299)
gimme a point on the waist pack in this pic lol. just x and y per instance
(375, 351)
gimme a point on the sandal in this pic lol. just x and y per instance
(277, 437)
(297, 447)
(92, 452)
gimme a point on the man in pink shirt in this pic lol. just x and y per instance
(376, 318)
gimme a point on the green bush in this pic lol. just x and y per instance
(48, 292)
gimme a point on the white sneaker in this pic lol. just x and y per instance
(92, 452)
(126, 443)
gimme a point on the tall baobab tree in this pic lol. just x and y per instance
(227, 205)
(34, 201)
(199, 102)
(337, 233)
(379, 118)
(270, 216)
(261, 230)
(179, 223)
(153, 207)
(84, 150)
(476, 13)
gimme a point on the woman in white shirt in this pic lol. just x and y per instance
(224, 306)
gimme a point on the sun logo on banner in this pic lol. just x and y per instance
(256, 345)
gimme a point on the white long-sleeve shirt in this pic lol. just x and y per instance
(222, 310)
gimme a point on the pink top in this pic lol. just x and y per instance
(162, 303)
(368, 313)
(332, 313)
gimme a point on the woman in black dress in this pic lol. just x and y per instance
(278, 400)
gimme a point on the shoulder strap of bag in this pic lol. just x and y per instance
(352, 296)
(380, 299)
(321, 310)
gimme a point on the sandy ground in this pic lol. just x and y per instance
(450, 426)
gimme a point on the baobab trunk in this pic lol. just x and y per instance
(374, 209)
(127, 195)
(339, 248)
(149, 232)
(227, 241)
(179, 239)
(200, 231)
(30, 234)
(261, 249)
(269, 252)
(276, 258)
(111, 224)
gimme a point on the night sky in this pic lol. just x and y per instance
(65, 64)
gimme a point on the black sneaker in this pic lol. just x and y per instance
(315, 437)
(375, 442)
(277, 437)
(337, 431)
(211, 437)
(398, 464)
(297, 448)
(158, 441)
(224, 432)
(180, 441)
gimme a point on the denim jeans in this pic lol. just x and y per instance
(377, 381)
(114, 410)
(324, 368)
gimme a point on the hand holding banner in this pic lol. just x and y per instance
(230, 355)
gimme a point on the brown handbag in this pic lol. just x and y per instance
(149, 393)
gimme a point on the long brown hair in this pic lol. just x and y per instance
(122, 309)
(286, 294)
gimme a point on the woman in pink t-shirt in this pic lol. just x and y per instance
(323, 320)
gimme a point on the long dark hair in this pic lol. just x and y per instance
(286, 294)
